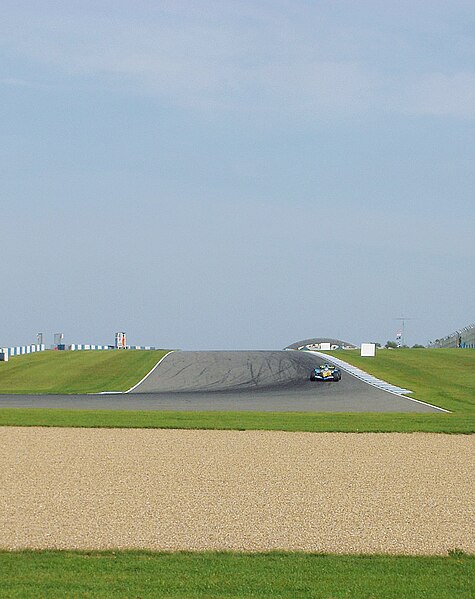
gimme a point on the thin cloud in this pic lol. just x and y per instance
(440, 94)
(14, 82)
(278, 57)
(197, 64)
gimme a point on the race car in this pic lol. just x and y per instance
(325, 372)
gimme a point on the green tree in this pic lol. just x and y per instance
(391, 345)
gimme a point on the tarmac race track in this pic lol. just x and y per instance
(264, 381)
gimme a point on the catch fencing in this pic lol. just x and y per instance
(465, 338)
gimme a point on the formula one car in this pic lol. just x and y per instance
(326, 372)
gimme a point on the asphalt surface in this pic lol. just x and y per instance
(264, 381)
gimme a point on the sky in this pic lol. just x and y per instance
(236, 174)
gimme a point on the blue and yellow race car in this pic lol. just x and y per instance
(325, 372)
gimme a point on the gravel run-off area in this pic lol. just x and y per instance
(67, 488)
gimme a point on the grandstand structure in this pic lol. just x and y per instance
(463, 338)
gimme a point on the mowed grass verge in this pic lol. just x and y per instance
(56, 574)
(318, 422)
(59, 372)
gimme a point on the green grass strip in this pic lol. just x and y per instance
(60, 372)
(281, 421)
(233, 575)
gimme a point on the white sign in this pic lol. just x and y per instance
(368, 350)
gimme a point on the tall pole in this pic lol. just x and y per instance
(403, 327)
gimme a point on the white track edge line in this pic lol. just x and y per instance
(348, 370)
(149, 373)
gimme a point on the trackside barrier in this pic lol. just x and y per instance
(143, 347)
(21, 350)
(85, 346)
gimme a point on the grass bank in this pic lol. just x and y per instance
(443, 377)
(62, 372)
(233, 575)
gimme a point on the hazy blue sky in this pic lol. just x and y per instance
(236, 174)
